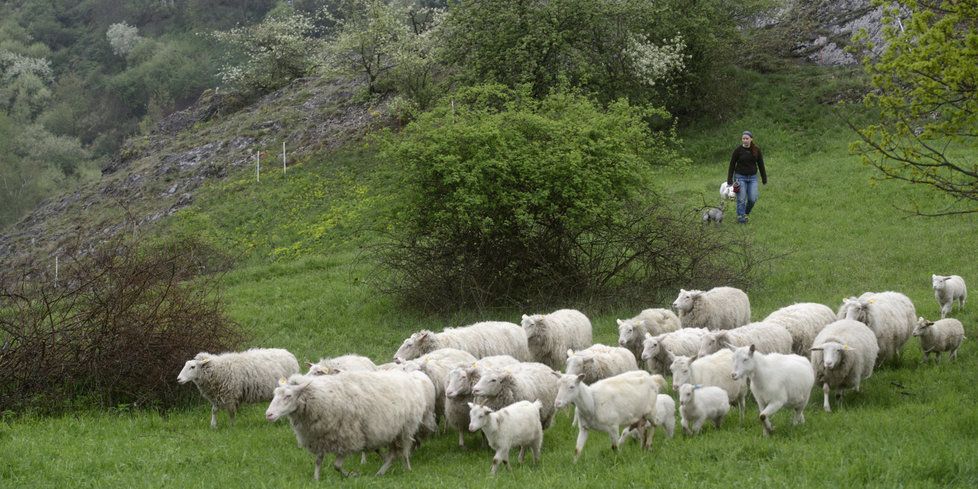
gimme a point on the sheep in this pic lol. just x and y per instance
(352, 412)
(890, 315)
(804, 321)
(947, 289)
(665, 416)
(717, 308)
(843, 356)
(698, 403)
(330, 366)
(230, 379)
(631, 332)
(436, 365)
(713, 369)
(498, 388)
(550, 335)
(600, 362)
(776, 380)
(516, 425)
(626, 399)
(656, 349)
(767, 337)
(458, 391)
(480, 339)
(944, 335)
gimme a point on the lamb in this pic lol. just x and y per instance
(600, 362)
(230, 379)
(656, 349)
(352, 412)
(516, 425)
(945, 335)
(665, 416)
(717, 308)
(711, 370)
(776, 380)
(330, 366)
(631, 332)
(890, 315)
(767, 337)
(803, 321)
(458, 391)
(947, 289)
(550, 336)
(498, 388)
(480, 339)
(626, 399)
(843, 356)
(698, 403)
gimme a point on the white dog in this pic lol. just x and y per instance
(727, 191)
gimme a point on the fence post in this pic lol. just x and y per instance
(258, 166)
(284, 169)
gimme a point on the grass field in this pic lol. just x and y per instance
(302, 285)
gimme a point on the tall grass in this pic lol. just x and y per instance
(838, 234)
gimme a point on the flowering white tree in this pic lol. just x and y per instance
(654, 63)
(122, 38)
(24, 84)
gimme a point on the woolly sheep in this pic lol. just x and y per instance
(549, 336)
(776, 380)
(656, 349)
(767, 337)
(480, 339)
(717, 308)
(631, 332)
(843, 356)
(230, 379)
(936, 337)
(352, 412)
(600, 362)
(627, 399)
(516, 425)
(713, 369)
(437, 365)
(458, 391)
(890, 315)
(665, 416)
(803, 321)
(698, 403)
(330, 366)
(498, 388)
(947, 289)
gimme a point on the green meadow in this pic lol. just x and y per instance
(304, 282)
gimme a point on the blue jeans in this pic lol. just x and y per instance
(748, 193)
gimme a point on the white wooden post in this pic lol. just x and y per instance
(56, 270)
(284, 169)
(258, 166)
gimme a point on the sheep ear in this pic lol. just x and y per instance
(847, 347)
(620, 322)
(203, 361)
(817, 348)
(310, 364)
(752, 350)
(670, 356)
(570, 353)
(648, 336)
(730, 346)
(697, 386)
(525, 317)
(470, 405)
(580, 378)
(557, 374)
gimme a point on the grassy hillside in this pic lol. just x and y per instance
(302, 284)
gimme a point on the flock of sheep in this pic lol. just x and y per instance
(508, 380)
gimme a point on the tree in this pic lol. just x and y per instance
(926, 97)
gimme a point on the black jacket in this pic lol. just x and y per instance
(743, 162)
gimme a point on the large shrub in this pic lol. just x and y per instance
(514, 199)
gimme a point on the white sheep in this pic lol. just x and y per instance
(940, 336)
(717, 308)
(767, 337)
(230, 379)
(699, 403)
(803, 321)
(480, 339)
(947, 289)
(843, 356)
(665, 416)
(631, 332)
(600, 362)
(891, 316)
(776, 380)
(353, 412)
(549, 336)
(498, 388)
(330, 366)
(656, 349)
(713, 369)
(627, 399)
(516, 425)
(437, 365)
(458, 391)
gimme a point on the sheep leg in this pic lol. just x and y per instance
(522, 453)
(685, 425)
(388, 460)
(581, 439)
(319, 465)
(698, 425)
(799, 417)
(231, 412)
(613, 434)
(536, 448)
(338, 465)
(461, 439)
(825, 397)
(649, 433)
(363, 458)
(766, 414)
(214, 416)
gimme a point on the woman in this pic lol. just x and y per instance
(744, 165)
